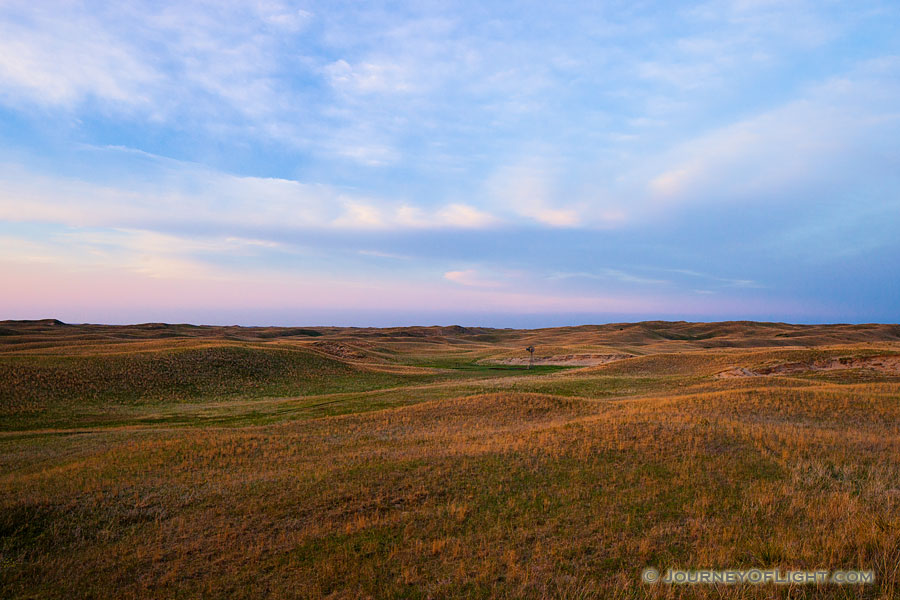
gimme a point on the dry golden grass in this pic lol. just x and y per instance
(559, 485)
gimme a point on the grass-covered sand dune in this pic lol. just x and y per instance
(166, 461)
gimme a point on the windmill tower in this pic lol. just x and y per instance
(531, 357)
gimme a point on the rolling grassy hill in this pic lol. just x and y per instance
(182, 461)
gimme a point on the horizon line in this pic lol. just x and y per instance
(60, 322)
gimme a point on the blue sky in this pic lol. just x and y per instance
(509, 164)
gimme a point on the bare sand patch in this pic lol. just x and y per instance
(570, 360)
(883, 364)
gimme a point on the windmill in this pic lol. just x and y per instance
(530, 358)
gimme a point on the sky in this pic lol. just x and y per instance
(520, 164)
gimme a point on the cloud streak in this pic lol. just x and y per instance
(186, 194)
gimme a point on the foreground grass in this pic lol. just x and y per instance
(501, 495)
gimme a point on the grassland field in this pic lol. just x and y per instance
(178, 461)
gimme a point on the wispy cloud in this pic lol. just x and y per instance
(369, 77)
(610, 275)
(725, 281)
(803, 146)
(471, 278)
(380, 254)
(158, 60)
(188, 194)
(527, 190)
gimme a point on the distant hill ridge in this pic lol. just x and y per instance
(721, 334)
